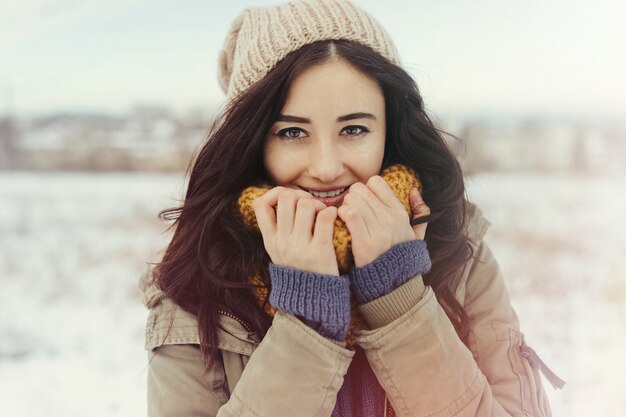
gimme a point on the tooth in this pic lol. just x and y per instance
(326, 194)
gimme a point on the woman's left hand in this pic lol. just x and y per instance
(377, 220)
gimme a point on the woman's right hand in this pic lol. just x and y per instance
(299, 233)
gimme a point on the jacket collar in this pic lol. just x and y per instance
(477, 224)
(476, 228)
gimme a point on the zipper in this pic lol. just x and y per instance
(385, 411)
(158, 299)
(536, 362)
(236, 318)
(388, 409)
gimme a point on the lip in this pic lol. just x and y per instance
(333, 201)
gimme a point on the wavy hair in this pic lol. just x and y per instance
(207, 264)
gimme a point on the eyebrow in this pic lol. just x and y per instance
(351, 116)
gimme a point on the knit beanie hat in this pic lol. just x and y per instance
(261, 36)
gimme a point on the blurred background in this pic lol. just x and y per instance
(103, 103)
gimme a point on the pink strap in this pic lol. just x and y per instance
(536, 362)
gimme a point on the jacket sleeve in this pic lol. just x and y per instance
(426, 369)
(292, 360)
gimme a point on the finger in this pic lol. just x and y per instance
(270, 198)
(381, 189)
(355, 223)
(363, 200)
(285, 211)
(419, 210)
(324, 225)
(305, 217)
(266, 218)
(418, 206)
(303, 194)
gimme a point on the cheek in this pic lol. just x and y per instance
(370, 159)
(278, 163)
(270, 160)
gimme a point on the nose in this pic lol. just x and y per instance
(325, 161)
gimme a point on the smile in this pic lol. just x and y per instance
(330, 198)
(326, 194)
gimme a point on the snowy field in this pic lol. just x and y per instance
(73, 245)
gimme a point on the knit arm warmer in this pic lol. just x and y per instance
(392, 269)
(320, 301)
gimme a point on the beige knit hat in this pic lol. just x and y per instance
(261, 36)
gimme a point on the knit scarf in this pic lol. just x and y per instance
(400, 179)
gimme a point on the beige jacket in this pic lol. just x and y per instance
(410, 344)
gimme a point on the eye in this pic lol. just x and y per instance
(355, 130)
(290, 133)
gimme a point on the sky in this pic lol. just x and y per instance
(558, 57)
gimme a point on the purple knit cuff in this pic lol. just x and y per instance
(320, 301)
(392, 269)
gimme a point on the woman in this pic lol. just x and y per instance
(317, 107)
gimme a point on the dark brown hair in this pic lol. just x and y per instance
(207, 265)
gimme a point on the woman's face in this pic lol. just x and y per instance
(330, 133)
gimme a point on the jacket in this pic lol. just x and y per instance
(410, 344)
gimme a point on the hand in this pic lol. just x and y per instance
(299, 233)
(377, 220)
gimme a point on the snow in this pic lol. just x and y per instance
(561, 245)
(72, 324)
(73, 245)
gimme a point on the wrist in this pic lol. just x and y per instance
(321, 301)
(392, 269)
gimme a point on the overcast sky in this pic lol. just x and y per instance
(557, 57)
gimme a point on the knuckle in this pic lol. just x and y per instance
(350, 214)
(257, 203)
(323, 216)
(373, 179)
(355, 186)
(302, 193)
(318, 204)
(305, 203)
(327, 214)
(285, 195)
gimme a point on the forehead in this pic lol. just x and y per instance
(333, 88)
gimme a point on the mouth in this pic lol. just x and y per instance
(330, 198)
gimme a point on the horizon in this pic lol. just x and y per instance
(546, 60)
